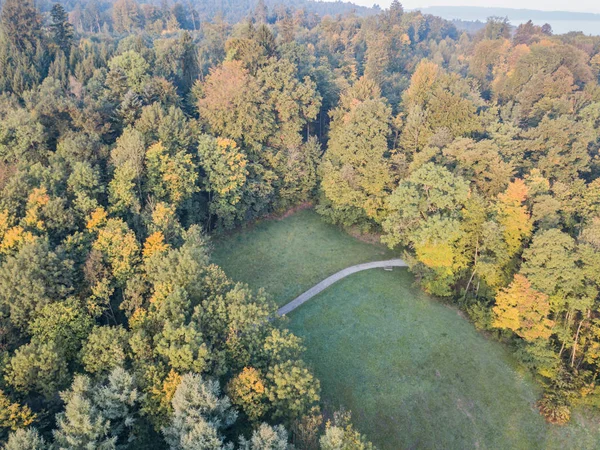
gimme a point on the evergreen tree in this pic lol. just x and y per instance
(199, 414)
(61, 28)
(21, 25)
(25, 439)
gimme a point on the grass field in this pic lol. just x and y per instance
(288, 256)
(414, 372)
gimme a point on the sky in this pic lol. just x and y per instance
(545, 5)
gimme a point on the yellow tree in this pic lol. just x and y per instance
(247, 390)
(13, 415)
(514, 216)
(524, 310)
(119, 246)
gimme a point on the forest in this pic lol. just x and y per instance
(132, 132)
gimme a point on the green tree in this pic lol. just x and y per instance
(341, 435)
(134, 68)
(82, 424)
(66, 323)
(224, 164)
(292, 390)
(21, 24)
(171, 176)
(355, 172)
(266, 437)
(104, 349)
(34, 277)
(423, 213)
(38, 368)
(61, 28)
(199, 414)
(25, 439)
(428, 192)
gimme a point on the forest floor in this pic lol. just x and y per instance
(413, 371)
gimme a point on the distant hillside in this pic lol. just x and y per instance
(473, 13)
(469, 18)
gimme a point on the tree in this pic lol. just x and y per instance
(260, 12)
(119, 399)
(513, 215)
(13, 417)
(21, 24)
(231, 105)
(132, 66)
(497, 28)
(96, 416)
(125, 189)
(38, 368)
(247, 390)
(396, 11)
(551, 263)
(559, 148)
(62, 30)
(355, 171)
(438, 101)
(555, 266)
(481, 163)
(189, 62)
(292, 390)
(66, 323)
(523, 310)
(25, 439)
(33, 278)
(104, 349)
(171, 176)
(294, 103)
(266, 437)
(341, 435)
(430, 191)
(199, 414)
(423, 213)
(119, 246)
(224, 164)
(126, 16)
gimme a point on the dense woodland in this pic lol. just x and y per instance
(130, 132)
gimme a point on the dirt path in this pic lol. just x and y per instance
(336, 277)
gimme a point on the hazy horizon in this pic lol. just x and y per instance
(590, 6)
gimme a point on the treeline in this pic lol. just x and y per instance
(156, 15)
(120, 148)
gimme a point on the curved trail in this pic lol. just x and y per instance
(316, 289)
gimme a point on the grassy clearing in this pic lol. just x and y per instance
(413, 371)
(288, 256)
(415, 374)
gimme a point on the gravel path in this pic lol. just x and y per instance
(336, 277)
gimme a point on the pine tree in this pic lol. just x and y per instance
(25, 439)
(200, 413)
(21, 24)
(61, 28)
